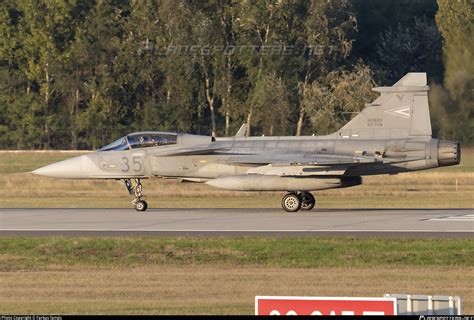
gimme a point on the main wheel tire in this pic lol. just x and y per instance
(141, 205)
(307, 201)
(291, 202)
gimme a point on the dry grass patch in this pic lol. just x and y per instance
(437, 189)
(212, 289)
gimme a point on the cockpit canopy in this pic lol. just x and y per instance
(142, 140)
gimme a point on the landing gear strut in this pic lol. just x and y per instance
(295, 201)
(135, 189)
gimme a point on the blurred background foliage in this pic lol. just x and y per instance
(78, 74)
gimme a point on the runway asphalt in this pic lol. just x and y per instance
(238, 222)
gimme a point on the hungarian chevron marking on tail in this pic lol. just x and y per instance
(401, 111)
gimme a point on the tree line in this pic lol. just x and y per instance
(78, 74)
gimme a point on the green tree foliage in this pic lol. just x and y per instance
(78, 74)
(412, 48)
(271, 105)
(35, 35)
(341, 93)
(375, 18)
(327, 31)
(455, 21)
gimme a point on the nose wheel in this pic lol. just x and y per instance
(295, 201)
(141, 205)
(135, 189)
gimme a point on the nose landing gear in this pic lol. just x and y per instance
(295, 201)
(135, 189)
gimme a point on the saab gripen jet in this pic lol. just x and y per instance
(391, 135)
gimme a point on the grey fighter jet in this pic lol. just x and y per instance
(391, 135)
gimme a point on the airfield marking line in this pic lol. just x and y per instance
(444, 219)
(361, 222)
(459, 217)
(204, 230)
(177, 220)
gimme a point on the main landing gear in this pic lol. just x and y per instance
(295, 201)
(135, 189)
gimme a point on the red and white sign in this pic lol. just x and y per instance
(324, 306)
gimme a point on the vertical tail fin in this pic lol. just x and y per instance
(401, 111)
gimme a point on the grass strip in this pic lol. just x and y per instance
(43, 252)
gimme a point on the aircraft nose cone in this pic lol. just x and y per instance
(67, 169)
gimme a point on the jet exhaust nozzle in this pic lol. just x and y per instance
(449, 153)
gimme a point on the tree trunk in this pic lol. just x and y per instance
(249, 120)
(299, 126)
(226, 104)
(168, 91)
(32, 113)
(227, 123)
(263, 42)
(46, 109)
(210, 101)
(213, 121)
(72, 117)
(226, 98)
